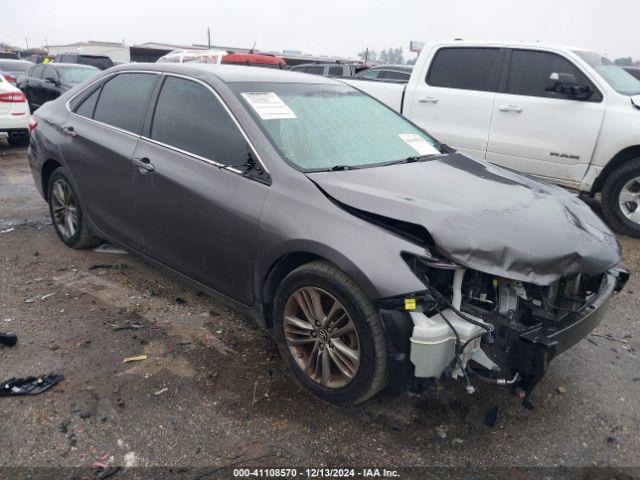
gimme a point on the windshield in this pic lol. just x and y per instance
(75, 75)
(619, 79)
(319, 127)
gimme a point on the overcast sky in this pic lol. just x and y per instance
(332, 27)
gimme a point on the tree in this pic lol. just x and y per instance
(370, 56)
(624, 61)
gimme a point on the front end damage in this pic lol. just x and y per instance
(471, 325)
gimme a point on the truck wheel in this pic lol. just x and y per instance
(330, 335)
(67, 215)
(621, 199)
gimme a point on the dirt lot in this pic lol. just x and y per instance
(214, 392)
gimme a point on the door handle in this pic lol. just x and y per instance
(511, 108)
(144, 165)
(428, 99)
(69, 131)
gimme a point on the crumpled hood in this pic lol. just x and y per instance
(484, 217)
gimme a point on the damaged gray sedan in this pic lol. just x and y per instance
(378, 255)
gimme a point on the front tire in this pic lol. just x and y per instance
(330, 335)
(67, 214)
(621, 199)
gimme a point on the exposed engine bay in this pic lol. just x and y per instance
(468, 324)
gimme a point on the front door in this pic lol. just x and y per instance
(454, 101)
(540, 132)
(194, 214)
(100, 138)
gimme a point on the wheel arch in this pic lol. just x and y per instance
(624, 155)
(48, 168)
(286, 263)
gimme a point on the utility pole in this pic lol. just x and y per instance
(209, 37)
(26, 40)
(366, 55)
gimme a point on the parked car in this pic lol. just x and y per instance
(387, 73)
(13, 69)
(566, 115)
(377, 254)
(46, 81)
(330, 69)
(101, 62)
(222, 56)
(634, 71)
(14, 114)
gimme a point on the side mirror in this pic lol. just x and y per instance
(567, 85)
(51, 80)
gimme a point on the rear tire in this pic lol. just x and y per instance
(67, 215)
(345, 330)
(621, 199)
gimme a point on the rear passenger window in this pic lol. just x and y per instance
(88, 105)
(335, 71)
(36, 72)
(529, 73)
(189, 117)
(123, 100)
(393, 75)
(466, 68)
(314, 70)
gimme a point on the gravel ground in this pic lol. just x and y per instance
(213, 390)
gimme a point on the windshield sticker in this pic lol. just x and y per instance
(419, 144)
(268, 105)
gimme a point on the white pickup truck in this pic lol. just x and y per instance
(564, 114)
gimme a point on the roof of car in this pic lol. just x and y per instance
(13, 61)
(231, 73)
(63, 64)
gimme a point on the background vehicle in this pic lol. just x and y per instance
(14, 114)
(13, 69)
(387, 73)
(566, 115)
(330, 69)
(376, 253)
(221, 56)
(99, 61)
(635, 71)
(47, 81)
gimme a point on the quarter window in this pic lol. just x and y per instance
(123, 100)
(529, 72)
(466, 68)
(335, 71)
(88, 105)
(189, 117)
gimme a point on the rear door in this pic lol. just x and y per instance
(194, 215)
(540, 132)
(454, 102)
(101, 136)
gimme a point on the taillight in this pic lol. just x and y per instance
(33, 123)
(12, 97)
(10, 78)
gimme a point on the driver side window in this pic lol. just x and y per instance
(529, 72)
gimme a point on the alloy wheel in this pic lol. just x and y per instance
(629, 200)
(321, 337)
(64, 209)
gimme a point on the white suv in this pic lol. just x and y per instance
(14, 114)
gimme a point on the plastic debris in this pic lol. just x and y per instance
(108, 248)
(29, 385)
(44, 297)
(137, 358)
(161, 391)
(8, 230)
(9, 339)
